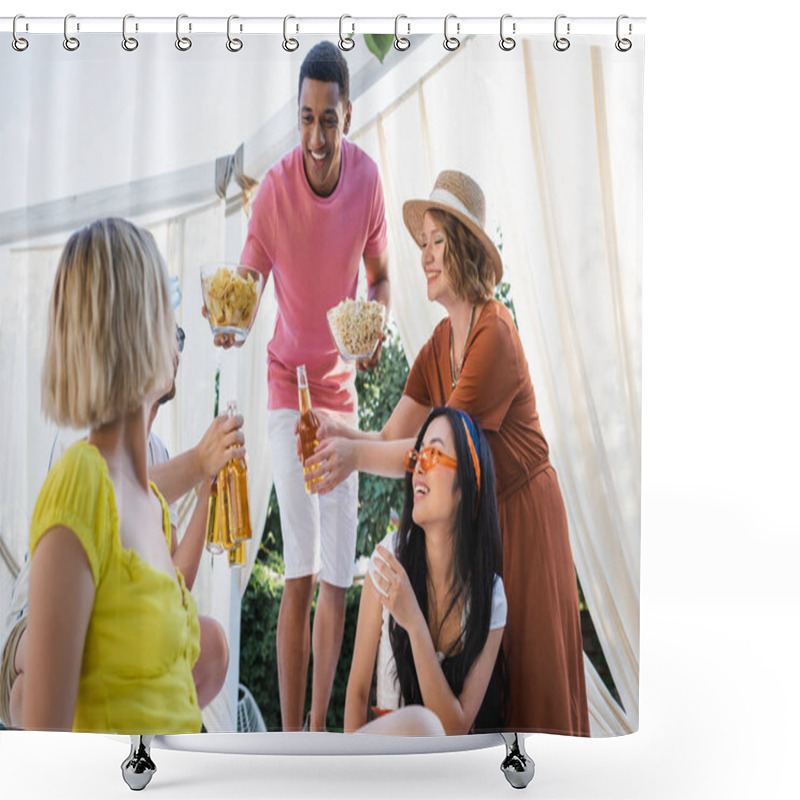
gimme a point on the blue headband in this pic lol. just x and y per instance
(473, 441)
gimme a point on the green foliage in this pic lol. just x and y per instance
(379, 391)
(216, 392)
(270, 551)
(502, 292)
(258, 658)
(379, 44)
(258, 661)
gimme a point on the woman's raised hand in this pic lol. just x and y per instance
(222, 441)
(333, 460)
(395, 590)
(328, 428)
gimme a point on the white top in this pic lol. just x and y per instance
(388, 690)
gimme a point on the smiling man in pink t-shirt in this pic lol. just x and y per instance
(318, 212)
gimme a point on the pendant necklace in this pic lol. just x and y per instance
(454, 376)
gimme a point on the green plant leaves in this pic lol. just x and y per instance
(379, 44)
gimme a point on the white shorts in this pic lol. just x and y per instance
(319, 532)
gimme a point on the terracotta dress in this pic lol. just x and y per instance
(542, 640)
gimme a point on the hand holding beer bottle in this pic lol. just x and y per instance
(308, 424)
(228, 507)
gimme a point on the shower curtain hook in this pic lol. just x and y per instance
(183, 43)
(623, 45)
(561, 43)
(71, 43)
(234, 45)
(346, 43)
(400, 42)
(18, 43)
(290, 45)
(129, 43)
(451, 42)
(507, 42)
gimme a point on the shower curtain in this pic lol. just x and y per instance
(181, 139)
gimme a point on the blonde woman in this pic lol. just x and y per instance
(112, 629)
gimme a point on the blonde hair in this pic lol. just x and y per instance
(111, 329)
(470, 274)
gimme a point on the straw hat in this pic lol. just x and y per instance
(460, 196)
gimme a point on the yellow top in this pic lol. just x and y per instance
(143, 636)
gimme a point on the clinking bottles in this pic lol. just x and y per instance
(309, 422)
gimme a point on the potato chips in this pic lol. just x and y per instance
(230, 298)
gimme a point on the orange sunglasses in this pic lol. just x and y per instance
(428, 458)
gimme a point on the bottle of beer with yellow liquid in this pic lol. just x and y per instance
(309, 422)
(226, 510)
(228, 520)
(237, 556)
(236, 474)
(213, 534)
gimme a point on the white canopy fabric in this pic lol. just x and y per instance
(554, 141)
(556, 145)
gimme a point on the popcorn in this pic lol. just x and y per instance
(356, 326)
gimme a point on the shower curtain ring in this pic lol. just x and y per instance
(233, 44)
(129, 43)
(183, 43)
(70, 42)
(290, 45)
(623, 45)
(346, 42)
(451, 42)
(507, 42)
(18, 43)
(561, 43)
(401, 42)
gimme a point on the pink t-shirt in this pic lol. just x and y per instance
(312, 246)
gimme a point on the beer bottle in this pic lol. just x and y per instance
(225, 510)
(213, 539)
(237, 556)
(309, 422)
(236, 470)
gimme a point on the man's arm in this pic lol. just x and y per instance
(378, 289)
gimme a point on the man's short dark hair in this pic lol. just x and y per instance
(325, 62)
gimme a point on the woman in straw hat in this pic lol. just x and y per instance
(474, 361)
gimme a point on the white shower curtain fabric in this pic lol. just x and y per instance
(554, 140)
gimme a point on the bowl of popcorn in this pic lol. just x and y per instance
(231, 294)
(356, 327)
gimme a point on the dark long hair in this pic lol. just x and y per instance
(477, 558)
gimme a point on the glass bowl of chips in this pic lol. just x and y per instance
(231, 294)
(356, 327)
